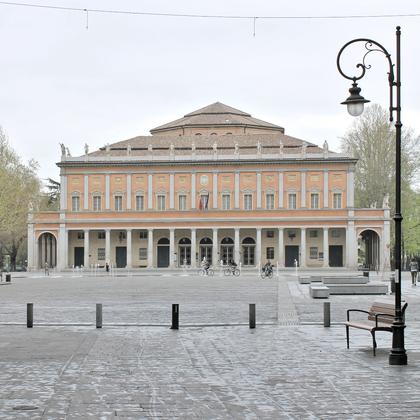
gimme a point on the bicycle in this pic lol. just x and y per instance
(234, 271)
(266, 274)
(204, 272)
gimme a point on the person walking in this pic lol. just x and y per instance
(414, 268)
(47, 268)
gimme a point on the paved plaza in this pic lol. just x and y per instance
(213, 367)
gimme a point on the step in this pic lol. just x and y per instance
(319, 291)
(372, 288)
(345, 280)
(304, 279)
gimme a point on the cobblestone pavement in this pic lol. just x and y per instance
(291, 369)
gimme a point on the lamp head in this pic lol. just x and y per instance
(355, 102)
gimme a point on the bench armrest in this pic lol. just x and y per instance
(377, 315)
(356, 310)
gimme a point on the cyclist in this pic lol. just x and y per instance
(268, 268)
(205, 265)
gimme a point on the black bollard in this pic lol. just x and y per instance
(99, 315)
(175, 316)
(29, 315)
(8, 278)
(252, 317)
(327, 314)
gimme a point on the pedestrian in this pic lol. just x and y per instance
(414, 268)
(47, 268)
(107, 267)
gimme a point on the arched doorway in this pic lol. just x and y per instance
(369, 249)
(206, 250)
(163, 252)
(47, 250)
(248, 251)
(184, 252)
(226, 250)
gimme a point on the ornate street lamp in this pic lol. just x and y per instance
(355, 104)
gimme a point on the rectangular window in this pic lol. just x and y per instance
(161, 202)
(143, 234)
(97, 205)
(269, 201)
(313, 234)
(80, 235)
(313, 253)
(75, 203)
(139, 202)
(292, 201)
(101, 234)
(270, 253)
(335, 233)
(314, 201)
(182, 202)
(337, 200)
(270, 233)
(101, 254)
(142, 253)
(248, 201)
(118, 202)
(226, 201)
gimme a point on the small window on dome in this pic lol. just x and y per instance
(213, 134)
(228, 134)
(198, 134)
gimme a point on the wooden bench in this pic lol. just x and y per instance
(380, 317)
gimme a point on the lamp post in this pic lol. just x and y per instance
(355, 104)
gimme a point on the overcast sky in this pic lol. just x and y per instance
(61, 82)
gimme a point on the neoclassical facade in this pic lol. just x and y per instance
(216, 183)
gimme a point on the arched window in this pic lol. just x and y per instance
(248, 241)
(227, 241)
(206, 241)
(163, 241)
(185, 241)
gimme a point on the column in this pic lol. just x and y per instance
(303, 189)
(325, 192)
(31, 242)
(107, 192)
(193, 191)
(63, 192)
(86, 193)
(302, 262)
(350, 187)
(386, 247)
(237, 246)
(171, 247)
(216, 259)
(62, 246)
(215, 191)
(108, 245)
(129, 249)
(171, 191)
(150, 248)
(281, 248)
(149, 191)
(128, 191)
(43, 253)
(237, 190)
(193, 248)
(281, 190)
(258, 248)
(86, 248)
(351, 245)
(326, 262)
(36, 252)
(258, 190)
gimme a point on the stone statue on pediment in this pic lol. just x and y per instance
(304, 146)
(385, 203)
(68, 152)
(236, 149)
(172, 149)
(128, 149)
(86, 148)
(325, 147)
(63, 149)
(281, 148)
(215, 148)
(107, 147)
(259, 148)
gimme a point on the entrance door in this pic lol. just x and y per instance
(291, 254)
(184, 255)
(336, 255)
(206, 251)
(163, 256)
(121, 256)
(79, 256)
(226, 253)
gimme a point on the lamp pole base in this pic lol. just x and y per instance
(398, 355)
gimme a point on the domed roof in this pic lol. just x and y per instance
(216, 115)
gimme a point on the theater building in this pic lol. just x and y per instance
(216, 183)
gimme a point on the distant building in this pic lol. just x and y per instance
(216, 183)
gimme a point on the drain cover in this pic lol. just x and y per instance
(25, 407)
